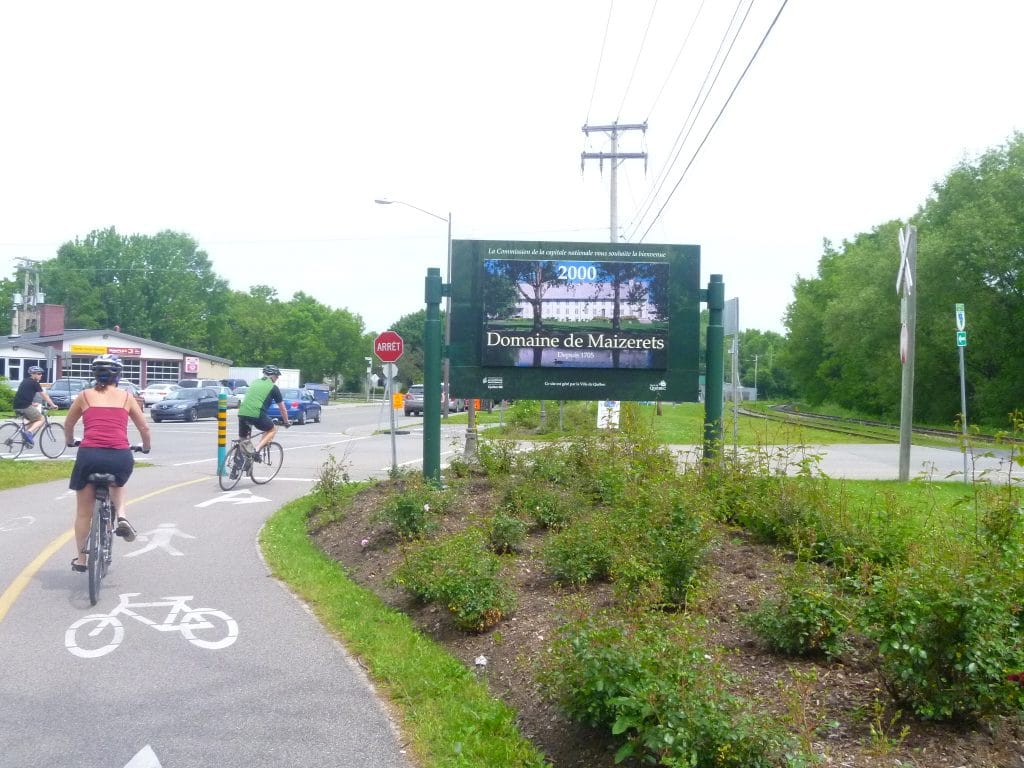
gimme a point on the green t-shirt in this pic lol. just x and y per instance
(258, 398)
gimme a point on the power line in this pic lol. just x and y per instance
(717, 118)
(694, 112)
(600, 58)
(639, 53)
(679, 54)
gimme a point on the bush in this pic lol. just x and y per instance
(412, 512)
(654, 681)
(6, 396)
(497, 457)
(546, 507)
(807, 618)
(524, 414)
(505, 533)
(658, 546)
(462, 575)
(579, 553)
(949, 631)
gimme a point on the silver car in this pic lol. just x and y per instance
(414, 400)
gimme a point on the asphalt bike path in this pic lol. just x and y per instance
(153, 678)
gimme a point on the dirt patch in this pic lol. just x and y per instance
(833, 706)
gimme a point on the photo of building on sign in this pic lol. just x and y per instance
(575, 314)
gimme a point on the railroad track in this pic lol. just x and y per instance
(859, 427)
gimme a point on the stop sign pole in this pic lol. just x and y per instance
(388, 347)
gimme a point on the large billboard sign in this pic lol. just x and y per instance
(574, 321)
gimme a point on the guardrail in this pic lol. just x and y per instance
(356, 397)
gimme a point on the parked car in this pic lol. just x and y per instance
(64, 391)
(157, 391)
(301, 405)
(133, 389)
(233, 400)
(234, 384)
(240, 393)
(186, 404)
(191, 383)
(413, 404)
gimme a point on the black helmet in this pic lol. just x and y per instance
(35, 369)
(106, 368)
(271, 370)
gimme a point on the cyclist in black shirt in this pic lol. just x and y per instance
(24, 402)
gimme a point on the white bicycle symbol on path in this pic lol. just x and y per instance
(103, 632)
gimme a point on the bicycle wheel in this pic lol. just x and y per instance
(266, 469)
(106, 538)
(95, 641)
(51, 440)
(11, 441)
(231, 474)
(198, 628)
(94, 552)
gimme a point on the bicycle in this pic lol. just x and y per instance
(241, 459)
(50, 438)
(99, 545)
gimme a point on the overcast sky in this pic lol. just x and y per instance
(266, 130)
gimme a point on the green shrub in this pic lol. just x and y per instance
(505, 532)
(460, 573)
(6, 396)
(579, 553)
(807, 618)
(524, 414)
(413, 511)
(546, 507)
(497, 457)
(653, 681)
(657, 548)
(949, 631)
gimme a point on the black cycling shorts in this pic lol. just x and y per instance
(245, 424)
(118, 462)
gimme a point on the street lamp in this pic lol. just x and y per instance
(470, 449)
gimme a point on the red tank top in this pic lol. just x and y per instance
(105, 426)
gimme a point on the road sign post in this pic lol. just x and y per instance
(388, 347)
(961, 342)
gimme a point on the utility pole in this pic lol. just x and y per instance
(908, 315)
(613, 158)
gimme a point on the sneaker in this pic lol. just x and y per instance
(124, 529)
(257, 458)
(27, 437)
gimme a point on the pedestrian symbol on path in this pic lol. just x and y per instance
(160, 538)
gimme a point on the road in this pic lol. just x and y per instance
(252, 681)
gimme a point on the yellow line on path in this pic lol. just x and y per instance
(22, 579)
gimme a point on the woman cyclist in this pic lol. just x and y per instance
(104, 410)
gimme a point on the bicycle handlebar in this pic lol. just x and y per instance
(136, 448)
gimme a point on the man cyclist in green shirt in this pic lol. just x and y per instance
(252, 411)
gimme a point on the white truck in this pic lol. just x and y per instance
(289, 376)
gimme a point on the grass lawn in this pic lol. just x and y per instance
(14, 474)
(683, 424)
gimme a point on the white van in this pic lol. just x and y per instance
(192, 383)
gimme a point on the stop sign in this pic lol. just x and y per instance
(388, 347)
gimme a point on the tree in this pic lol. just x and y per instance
(160, 287)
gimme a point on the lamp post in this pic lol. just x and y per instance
(470, 449)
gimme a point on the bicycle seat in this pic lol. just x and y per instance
(101, 478)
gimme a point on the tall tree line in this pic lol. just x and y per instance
(843, 324)
(163, 287)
